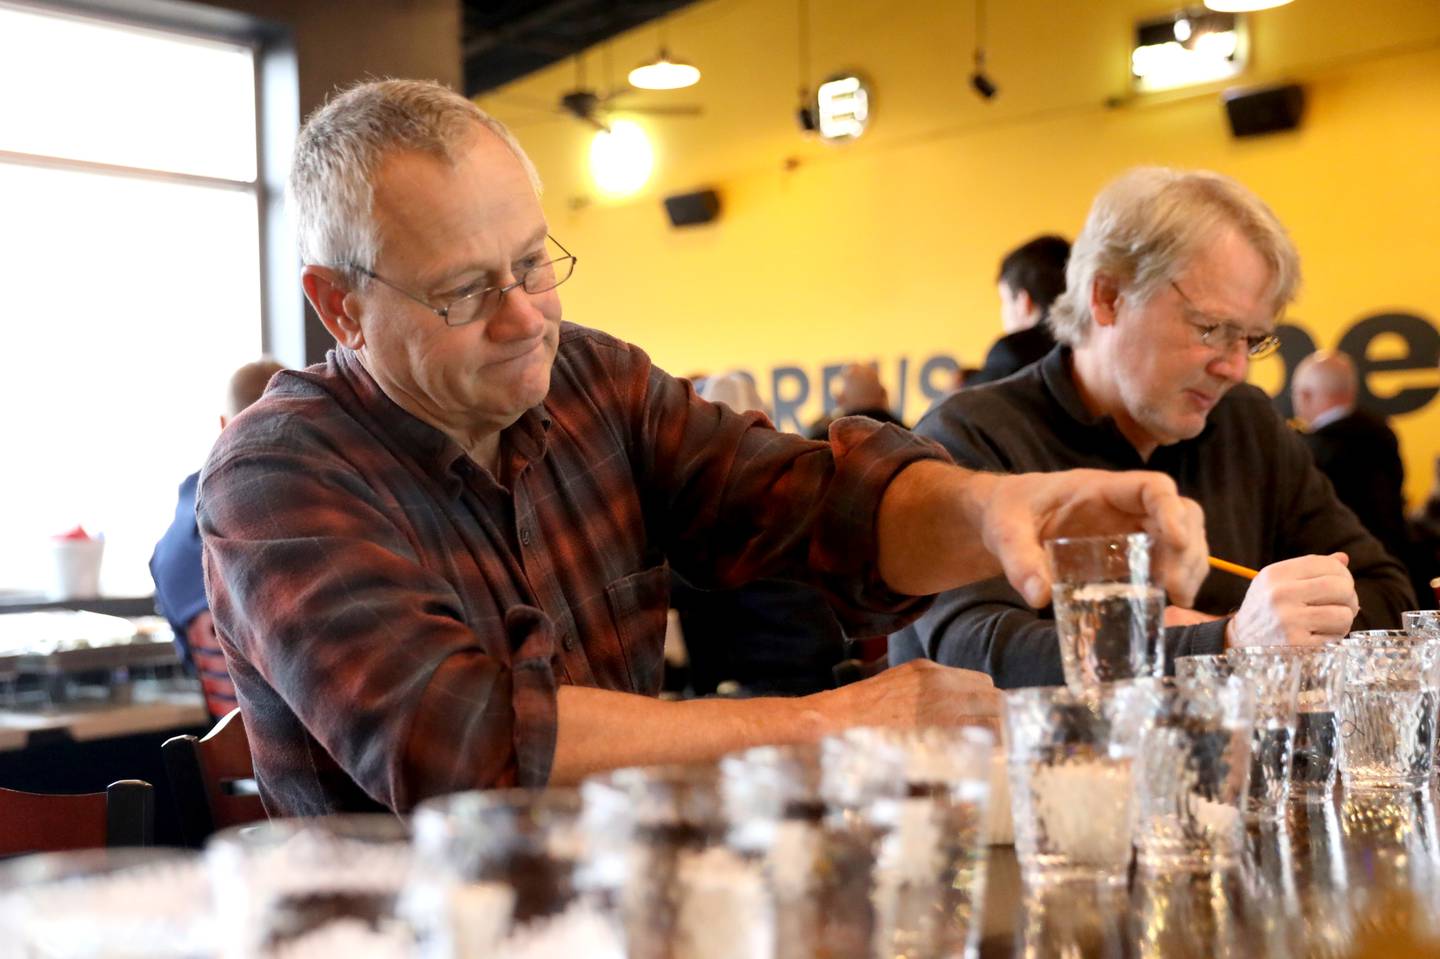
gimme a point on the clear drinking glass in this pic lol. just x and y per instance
(1388, 710)
(312, 887)
(1273, 678)
(110, 903)
(1072, 762)
(516, 872)
(930, 871)
(1422, 622)
(1317, 722)
(1194, 775)
(687, 876)
(1205, 668)
(1109, 617)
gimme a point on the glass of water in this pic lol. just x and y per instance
(106, 904)
(1388, 710)
(1109, 617)
(513, 872)
(930, 868)
(1072, 761)
(1422, 622)
(1317, 722)
(312, 887)
(1273, 678)
(1206, 668)
(1194, 776)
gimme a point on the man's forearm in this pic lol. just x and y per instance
(599, 729)
(929, 529)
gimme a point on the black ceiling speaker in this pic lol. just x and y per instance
(1264, 110)
(690, 209)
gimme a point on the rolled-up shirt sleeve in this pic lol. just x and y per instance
(320, 592)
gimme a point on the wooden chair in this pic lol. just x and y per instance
(123, 815)
(212, 779)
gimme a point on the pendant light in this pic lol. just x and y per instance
(663, 73)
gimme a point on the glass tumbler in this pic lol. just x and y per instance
(1203, 668)
(1273, 678)
(1194, 776)
(688, 876)
(930, 870)
(106, 904)
(1422, 622)
(516, 872)
(1387, 710)
(1109, 617)
(312, 887)
(1072, 764)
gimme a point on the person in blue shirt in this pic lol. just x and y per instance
(175, 564)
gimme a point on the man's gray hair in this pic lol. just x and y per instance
(340, 149)
(1146, 226)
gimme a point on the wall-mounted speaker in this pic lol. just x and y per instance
(690, 209)
(1264, 110)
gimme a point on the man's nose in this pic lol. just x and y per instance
(518, 317)
(1233, 362)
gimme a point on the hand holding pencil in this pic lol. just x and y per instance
(1305, 601)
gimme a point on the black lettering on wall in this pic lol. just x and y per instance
(1422, 342)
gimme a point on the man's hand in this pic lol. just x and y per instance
(919, 693)
(1024, 510)
(1304, 601)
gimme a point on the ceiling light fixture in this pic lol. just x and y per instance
(1243, 6)
(842, 108)
(662, 73)
(980, 81)
(1187, 48)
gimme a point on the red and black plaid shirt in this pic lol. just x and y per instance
(396, 621)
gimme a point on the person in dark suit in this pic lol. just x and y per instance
(1353, 447)
(1031, 277)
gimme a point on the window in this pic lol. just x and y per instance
(130, 251)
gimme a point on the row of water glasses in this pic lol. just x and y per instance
(1155, 770)
(869, 844)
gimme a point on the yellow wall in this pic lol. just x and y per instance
(886, 249)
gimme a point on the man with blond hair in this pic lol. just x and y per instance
(440, 559)
(1175, 283)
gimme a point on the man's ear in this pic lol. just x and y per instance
(1024, 305)
(327, 292)
(1104, 299)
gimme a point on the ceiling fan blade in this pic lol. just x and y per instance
(522, 102)
(677, 110)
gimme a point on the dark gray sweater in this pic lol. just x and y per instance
(1264, 501)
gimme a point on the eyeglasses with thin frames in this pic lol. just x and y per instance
(1222, 335)
(481, 304)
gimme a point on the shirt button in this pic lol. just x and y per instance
(567, 641)
(524, 536)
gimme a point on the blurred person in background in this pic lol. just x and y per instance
(1355, 449)
(176, 563)
(769, 637)
(859, 393)
(1032, 277)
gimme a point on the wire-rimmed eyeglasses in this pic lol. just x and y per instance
(481, 304)
(1222, 335)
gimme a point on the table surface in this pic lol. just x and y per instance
(1354, 876)
(88, 721)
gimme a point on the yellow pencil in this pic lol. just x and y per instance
(1235, 568)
